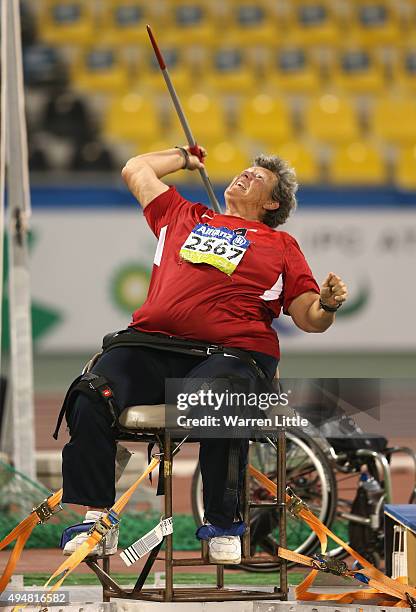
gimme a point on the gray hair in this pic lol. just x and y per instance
(284, 189)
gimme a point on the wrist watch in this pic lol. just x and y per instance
(329, 308)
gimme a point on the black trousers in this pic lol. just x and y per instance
(137, 376)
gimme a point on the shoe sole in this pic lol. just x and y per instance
(112, 551)
(225, 561)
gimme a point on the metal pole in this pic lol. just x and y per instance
(22, 404)
(181, 116)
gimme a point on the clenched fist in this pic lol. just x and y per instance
(333, 291)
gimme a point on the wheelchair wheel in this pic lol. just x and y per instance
(309, 474)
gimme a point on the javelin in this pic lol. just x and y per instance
(185, 125)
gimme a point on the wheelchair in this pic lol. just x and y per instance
(324, 472)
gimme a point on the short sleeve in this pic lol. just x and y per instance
(164, 208)
(297, 275)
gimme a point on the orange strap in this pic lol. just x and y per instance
(392, 591)
(22, 532)
(95, 537)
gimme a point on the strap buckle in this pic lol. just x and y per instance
(296, 504)
(328, 564)
(411, 600)
(44, 511)
(105, 523)
(211, 350)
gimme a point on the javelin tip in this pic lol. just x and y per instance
(156, 49)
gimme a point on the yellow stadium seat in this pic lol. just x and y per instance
(394, 120)
(293, 71)
(302, 158)
(357, 71)
(124, 22)
(374, 22)
(405, 70)
(250, 24)
(405, 175)
(312, 23)
(230, 73)
(67, 22)
(100, 69)
(133, 118)
(331, 119)
(266, 120)
(225, 160)
(206, 117)
(357, 163)
(190, 24)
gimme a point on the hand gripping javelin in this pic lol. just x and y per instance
(193, 147)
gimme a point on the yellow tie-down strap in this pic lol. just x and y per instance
(42, 512)
(384, 590)
(21, 533)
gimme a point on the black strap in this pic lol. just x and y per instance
(231, 497)
(163, 342)
(97, 388)
(64, 406)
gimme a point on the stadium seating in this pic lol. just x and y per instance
(266, 120)
(357, 71)
(249, 24)
(302, 158)
(294, 71)
(133, 118)
(405, 70)
(230, 73)
(405, 175)
(67, 22)
(101, 69)
(374, 22)
(297, 76)
(206, 116)
(357, 163)
(124, 22)
(226, 160)
(312, 22)
(331, 119)
(190, 23)
(394, 120)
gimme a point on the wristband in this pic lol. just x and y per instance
(185, 156)
(329, 308)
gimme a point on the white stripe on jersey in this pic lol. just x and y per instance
(274, 292)
(160, 245)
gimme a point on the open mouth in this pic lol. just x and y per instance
(241, 185)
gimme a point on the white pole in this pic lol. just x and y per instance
(22, 401)
(2, 152)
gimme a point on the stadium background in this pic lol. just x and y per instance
(328, 85)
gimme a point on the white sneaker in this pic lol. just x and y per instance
(225, 549)
(108, 544)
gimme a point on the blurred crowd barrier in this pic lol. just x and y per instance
(328, 84)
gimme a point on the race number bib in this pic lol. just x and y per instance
(218, 246)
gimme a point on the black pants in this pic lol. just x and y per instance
(137, 376)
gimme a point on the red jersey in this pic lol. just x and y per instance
(219, 278)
